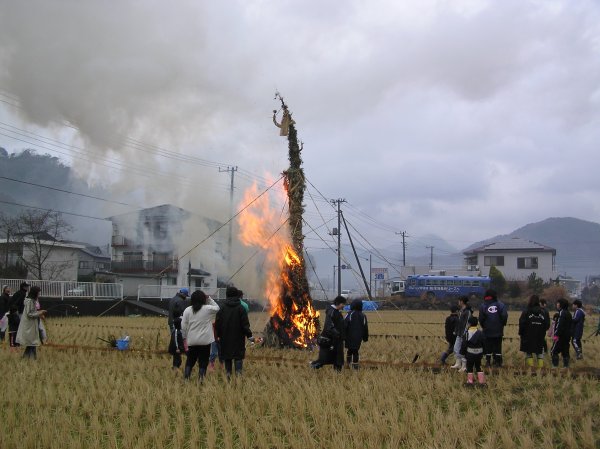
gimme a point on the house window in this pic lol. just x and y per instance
(100, 266)
(84, 264)
(497, 261)
(527, 263)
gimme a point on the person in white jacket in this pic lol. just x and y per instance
(197, 331)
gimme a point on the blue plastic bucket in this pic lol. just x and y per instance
(122, 345)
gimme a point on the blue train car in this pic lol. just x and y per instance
(444, 286)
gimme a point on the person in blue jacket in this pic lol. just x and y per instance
(577, 331)
(492, 318)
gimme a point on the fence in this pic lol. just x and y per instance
(70, 289)
(168, 291)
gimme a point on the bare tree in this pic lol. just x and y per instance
(34, 234)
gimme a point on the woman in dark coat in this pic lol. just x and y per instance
(231, 329)
(357, 331)
(334, 332)
(533, 325)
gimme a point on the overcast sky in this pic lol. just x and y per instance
(463, 119)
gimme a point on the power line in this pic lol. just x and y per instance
(53, 210)
(66, 191)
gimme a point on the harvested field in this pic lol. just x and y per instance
(80, 393)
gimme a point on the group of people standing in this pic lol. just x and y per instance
(23, 317)
(204, 330)
(469, 343)
(339, 331)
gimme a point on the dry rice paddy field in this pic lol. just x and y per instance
(80, 394)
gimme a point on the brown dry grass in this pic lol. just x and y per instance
(87, 397)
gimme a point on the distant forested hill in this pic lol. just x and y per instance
(21, 170)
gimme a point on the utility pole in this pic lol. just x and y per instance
(370, 273)
(231, 170)
(7, 243)
(431, 257)
(339, 202)
(403, 234)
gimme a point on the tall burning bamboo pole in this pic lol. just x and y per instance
(297, 320)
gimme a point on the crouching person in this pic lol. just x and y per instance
(473, 352)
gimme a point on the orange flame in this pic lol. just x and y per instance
(258, 226)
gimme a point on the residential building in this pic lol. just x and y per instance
(147, 245)
(59, 260)
(516, 258)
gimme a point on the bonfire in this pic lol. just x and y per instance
(294, 322)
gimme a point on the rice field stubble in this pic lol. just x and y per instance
(80, 394)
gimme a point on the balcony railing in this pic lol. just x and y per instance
(144, 266)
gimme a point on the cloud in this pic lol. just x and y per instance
(462, 119)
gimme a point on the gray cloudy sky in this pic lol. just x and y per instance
(463, 119)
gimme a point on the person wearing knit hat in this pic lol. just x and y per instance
(473, 349)
(492, 317)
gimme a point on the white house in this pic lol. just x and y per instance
(516, 258)
(147, 244)
(59, 260)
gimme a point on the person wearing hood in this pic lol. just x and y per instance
(232, 327)
(4, 308)
(492, 317)
(533, 325)
(357, 331)
(177, 304)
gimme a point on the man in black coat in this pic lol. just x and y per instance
(562, 334)
(357, 331)
(492, 317)
(232, 327)
(177, 304)
(334, 331)
(18, 298)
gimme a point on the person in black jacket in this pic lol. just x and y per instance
(450, 327)
(232, 327)
(177, 304)
(492, 317)
(533, 325)
(562, 334)
(334, 333)
(357, 331)
(578, 320)
(472, 347)
(18, 298)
